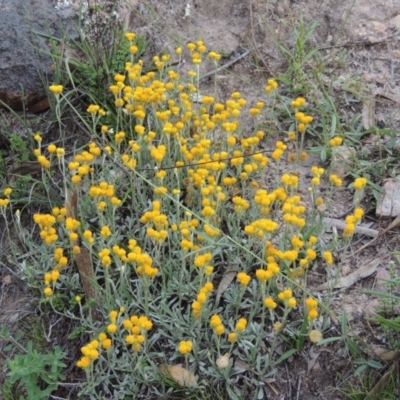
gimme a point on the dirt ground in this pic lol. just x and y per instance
(362, 41)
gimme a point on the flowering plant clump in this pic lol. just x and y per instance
(171, 190)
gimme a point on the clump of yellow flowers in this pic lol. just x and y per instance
(174, 194)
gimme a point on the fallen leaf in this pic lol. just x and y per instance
(227, 279)
(23, 168)
(180, 375)
(242, 366)
(349, 280)
(40, 106)
(385, 354)
(382, 384)
(6, 279)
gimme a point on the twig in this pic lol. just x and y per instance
(358, 43)
(298, 388)
(288, 379)
(362, 230)
(227, 65)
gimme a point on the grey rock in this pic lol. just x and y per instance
(25, 26)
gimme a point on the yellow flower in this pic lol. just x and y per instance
(219, 330)
(232, 337)
(285, 295)
(270, 303)
(111, 328)
(56, 89)
(336, 141)
(328, 257)
(130, 36)
(360, 183)
(291, 303)
(215, 320)
(76, 250)
(241, 325)
(214, 56)
(243, 278)
(93, 108)
(185, 347)
(358, 213)
(271, 85)
(84, 362)
(105, 231)
(133, 49)
(52, 148)
(312, 314)
(106, 343)
(298, 102)
(191, 46)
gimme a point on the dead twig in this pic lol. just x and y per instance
(362, 230)
(392, 38)
(227, 65)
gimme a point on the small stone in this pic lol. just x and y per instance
(389, 205)
(378, 27)
(382, 276)
(370, 309)
(280, 11)
(346, 270)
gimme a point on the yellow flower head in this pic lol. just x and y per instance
(56, 89)
(185, 347)
(130, 36)
(360, 183)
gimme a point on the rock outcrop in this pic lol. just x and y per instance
(25, 28)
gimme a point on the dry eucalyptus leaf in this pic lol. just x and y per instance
(180, 375)
(381, 385)
(349, 280)
(242, 366)
(23, 168)
(227, 279)
(223, 361)
(385, 354)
